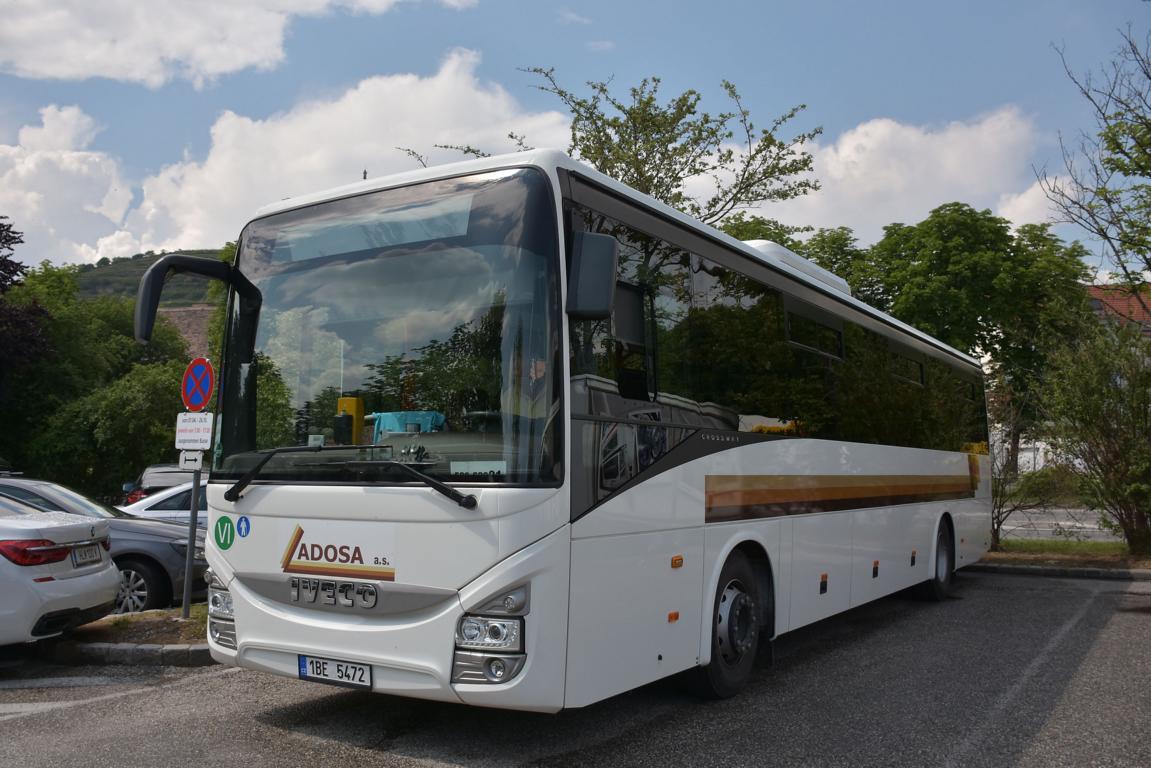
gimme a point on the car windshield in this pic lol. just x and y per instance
(421, 321)
(79, 504)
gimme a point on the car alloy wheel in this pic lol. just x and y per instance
(133, 594)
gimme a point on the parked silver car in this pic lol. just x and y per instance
(150, 554)
(54, 572)
(172, 504)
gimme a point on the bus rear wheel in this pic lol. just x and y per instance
(735, 630)
(938, 587)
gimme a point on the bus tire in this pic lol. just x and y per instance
(938, 587)
(735, 630)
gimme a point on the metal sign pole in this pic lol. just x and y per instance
(193, 433)
(190, 555)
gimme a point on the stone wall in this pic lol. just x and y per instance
(192, 322)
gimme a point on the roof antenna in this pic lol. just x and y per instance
(365, 174)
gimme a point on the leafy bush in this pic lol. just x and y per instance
(1055, 484)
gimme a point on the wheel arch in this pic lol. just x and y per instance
(148, 559)
(755, 549)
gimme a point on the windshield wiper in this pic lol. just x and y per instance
(467, 501)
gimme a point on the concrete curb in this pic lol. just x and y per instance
(1062, 572)
(135, 654)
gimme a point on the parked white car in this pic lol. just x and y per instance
(55, 572)
(174, 504)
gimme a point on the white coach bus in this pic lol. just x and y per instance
(511, 434)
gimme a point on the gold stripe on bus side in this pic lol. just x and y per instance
(292, 544)
(742, 497)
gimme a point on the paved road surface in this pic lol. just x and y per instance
(1055, 522)
(1016, 671)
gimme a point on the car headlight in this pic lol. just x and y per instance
(182, 547)
(489, 633)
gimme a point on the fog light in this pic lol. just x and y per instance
(222, 633)
(486, 669)
(496, 670)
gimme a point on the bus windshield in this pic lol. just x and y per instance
(417, 325)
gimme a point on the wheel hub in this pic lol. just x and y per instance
(736, 623)
(133, 593)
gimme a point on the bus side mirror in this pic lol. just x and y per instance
(152, 285)
(591, 283)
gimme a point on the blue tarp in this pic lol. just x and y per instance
(407, 421)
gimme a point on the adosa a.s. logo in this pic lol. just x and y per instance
(321, 558)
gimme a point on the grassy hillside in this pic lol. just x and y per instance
(122, 277)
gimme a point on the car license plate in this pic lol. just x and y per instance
(335, 672)
(89, 553)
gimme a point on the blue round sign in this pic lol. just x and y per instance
(243, 527)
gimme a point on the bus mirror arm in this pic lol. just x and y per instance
(591, 283)
(152, 285)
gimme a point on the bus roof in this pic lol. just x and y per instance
(549, 160)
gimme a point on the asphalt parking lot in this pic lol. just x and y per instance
(1015, 671)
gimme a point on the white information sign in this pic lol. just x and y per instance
(194, 432)
(191, 460)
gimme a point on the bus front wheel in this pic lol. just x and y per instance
(735, 629)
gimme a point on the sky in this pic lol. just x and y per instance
(128, 126)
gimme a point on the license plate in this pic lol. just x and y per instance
(335, 672)
(89, 553)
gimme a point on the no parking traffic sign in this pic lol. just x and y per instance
(196, 386)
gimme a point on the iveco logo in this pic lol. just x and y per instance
(346, 594)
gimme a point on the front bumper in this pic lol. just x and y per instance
(32, 611)
(411, 654)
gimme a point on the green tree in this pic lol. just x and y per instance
(22, 335)
(964, 277)
(837, 250)
(1098, 403)
(744, 226)
(1040, 305)
(662, 149)
(275, 419)
(1106, 185)
(941, 274)
(90, 349)
(97, 441)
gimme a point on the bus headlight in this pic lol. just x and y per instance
(219, 598)
(489, 633)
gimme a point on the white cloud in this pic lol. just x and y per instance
(883, 171)
(159, 40)
(60, 129)
(598, 46)
(56, 191)
(319, 144)
(568, 16)
(1030, 206)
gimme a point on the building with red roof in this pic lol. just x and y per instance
(1119, 302)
